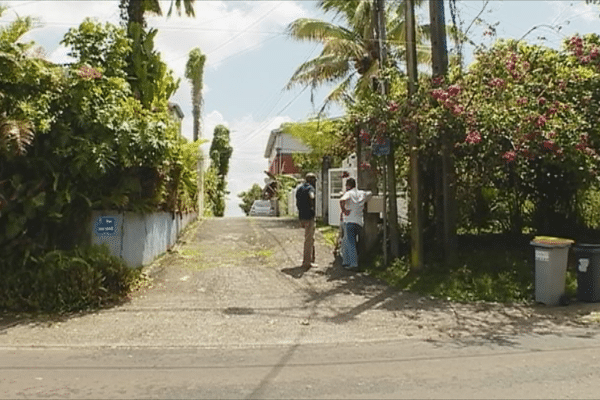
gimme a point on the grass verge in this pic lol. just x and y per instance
(501, 271)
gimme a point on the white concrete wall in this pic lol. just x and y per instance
(140, 238)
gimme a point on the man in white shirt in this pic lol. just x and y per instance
(352, 204)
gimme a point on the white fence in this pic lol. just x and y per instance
(137, 238)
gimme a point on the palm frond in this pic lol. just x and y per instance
(340, 93)
(317, 31)
(349, 49)
(346, 9)
(16, 135)
(188, 6)
(319, 70)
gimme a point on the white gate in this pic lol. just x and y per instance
(337, 187)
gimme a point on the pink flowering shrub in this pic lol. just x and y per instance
(522, 122)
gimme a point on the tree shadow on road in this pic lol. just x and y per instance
(468, 324)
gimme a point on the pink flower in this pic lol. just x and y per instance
(458, 110)
(364, 135)
(548, 144)
(473, 137)
(585, 60)
(509, 156)
(437, 93)
(526, 66)
(522, 101)
(542, 101)
(551, 134)
(594, 52)
(541, 121)
(393, 106)
(551, 111)
(497, 82)
(365, 165)
(454, 90)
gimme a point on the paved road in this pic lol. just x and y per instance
(231, 314)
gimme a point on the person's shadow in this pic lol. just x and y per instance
(296, 272)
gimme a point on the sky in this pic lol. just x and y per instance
(250, 58)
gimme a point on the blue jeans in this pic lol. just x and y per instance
(349, 254)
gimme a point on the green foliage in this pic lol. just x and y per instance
(498, 272)
(194, 71)
(104, 47)
(522, 126)
(75, 139)
(212, 197)
(63, 281)
(248, 197)
(349, 55)
(150, 79)
(323, 137)
(215, 183)
(221, 150)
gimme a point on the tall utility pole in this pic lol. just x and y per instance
(390, 164)
(439, 56)
(415, 189)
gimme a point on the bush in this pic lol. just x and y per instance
(65, 281)
(496, 268)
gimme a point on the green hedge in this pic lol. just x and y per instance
(65, 280)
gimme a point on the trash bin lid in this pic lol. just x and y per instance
(587, 247)
(549, 241)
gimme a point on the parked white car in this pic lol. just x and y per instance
(262, 208)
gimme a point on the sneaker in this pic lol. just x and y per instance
(350, 268)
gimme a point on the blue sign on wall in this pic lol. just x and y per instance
(382, 148)
(106, 226)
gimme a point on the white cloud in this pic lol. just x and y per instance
(573, 13)
(223, 29)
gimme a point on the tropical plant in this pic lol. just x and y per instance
(350, 55)
(194, 71)
(95, 146)
(134, 11)
(220, 153)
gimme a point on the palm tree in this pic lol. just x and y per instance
(350, 56)
(194, 71)
(135, 10)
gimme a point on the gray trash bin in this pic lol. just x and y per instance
(588, 272)
(551, 258)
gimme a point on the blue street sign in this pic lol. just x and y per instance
(381, 148)
(106, 226)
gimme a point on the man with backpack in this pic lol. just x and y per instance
(306, 204)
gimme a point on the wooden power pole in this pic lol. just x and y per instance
(415, 184)
(389, 167)
(439, 58)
